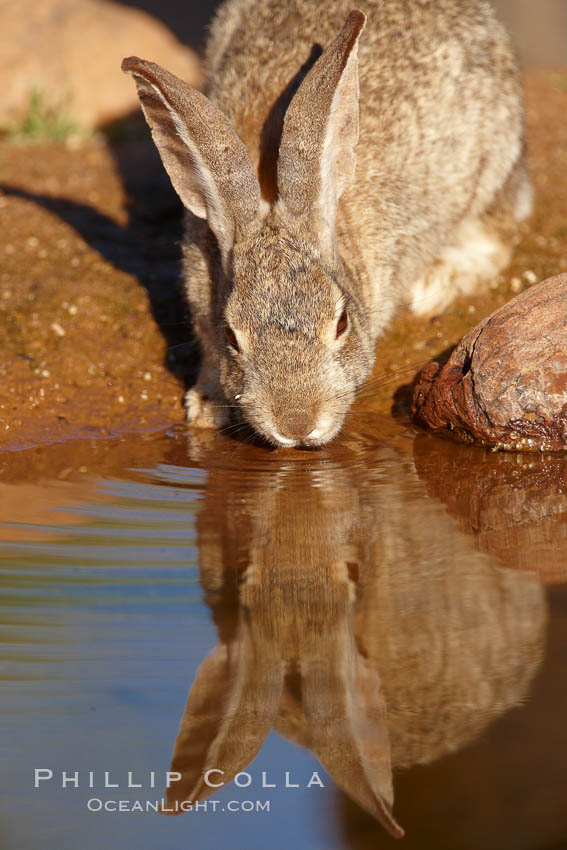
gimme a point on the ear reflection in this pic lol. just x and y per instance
(355, 617)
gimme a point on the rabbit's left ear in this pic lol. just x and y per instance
(316, 159)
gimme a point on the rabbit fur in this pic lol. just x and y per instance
(308, 223)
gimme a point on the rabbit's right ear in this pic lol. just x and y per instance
(230, 710)
(207, 163)
(316, 158)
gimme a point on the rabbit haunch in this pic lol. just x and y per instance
(301, 239)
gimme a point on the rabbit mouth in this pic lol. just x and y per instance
(292, 426)
(323, 432)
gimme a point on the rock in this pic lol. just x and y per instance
(505, 383)
(70, 52)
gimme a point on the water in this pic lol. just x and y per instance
(350, 621)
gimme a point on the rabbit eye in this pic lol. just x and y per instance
(342, 324)
(231, 338)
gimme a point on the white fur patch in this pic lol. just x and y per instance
(476, 256)
(284, 441)
(204, 413)
(524, 201)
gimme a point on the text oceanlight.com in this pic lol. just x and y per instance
(95, 804)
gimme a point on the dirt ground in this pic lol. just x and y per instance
(95, 339)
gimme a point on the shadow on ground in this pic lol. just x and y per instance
(147, 246)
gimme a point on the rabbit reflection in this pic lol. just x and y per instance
(355, 618)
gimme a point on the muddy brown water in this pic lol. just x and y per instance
(389, 613)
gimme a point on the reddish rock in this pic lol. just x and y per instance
(70, 51)
(505, 384)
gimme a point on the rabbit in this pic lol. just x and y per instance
(301, 240)
(353, 617)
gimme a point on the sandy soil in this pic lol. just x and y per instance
(95, 339)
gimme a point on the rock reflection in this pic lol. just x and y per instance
(354, 616)
(514, 505)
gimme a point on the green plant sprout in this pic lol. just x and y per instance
(42, 122)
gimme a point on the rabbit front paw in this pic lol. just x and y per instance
(204, 412)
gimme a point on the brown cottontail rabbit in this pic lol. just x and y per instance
(294, 260)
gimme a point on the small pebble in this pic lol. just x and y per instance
(57, 329)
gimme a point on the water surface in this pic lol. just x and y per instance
(371, 619)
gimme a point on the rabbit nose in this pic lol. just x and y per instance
(298, 426)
